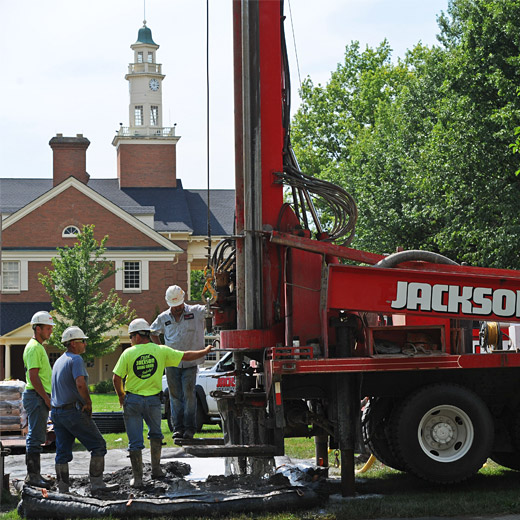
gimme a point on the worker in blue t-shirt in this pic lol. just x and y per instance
(71, 413)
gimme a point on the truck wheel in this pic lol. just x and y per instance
(201, 417)
(443, 433)
(375, 421)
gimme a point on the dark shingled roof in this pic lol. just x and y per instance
(16, 314)
(174, 209)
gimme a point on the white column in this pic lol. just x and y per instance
(7, 364)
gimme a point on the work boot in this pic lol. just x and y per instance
(62, 475)
(155, 453)
(97, 466)
(34, 478)
(136, 459)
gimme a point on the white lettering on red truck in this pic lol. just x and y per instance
(455, 299)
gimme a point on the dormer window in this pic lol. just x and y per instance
(70, 232)
(139, 57)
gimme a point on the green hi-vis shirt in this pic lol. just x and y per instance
(143, 366)
(34, 356)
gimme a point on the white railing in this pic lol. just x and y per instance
(127, 131)
(145, 67)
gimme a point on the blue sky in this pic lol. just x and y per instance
(65, 63)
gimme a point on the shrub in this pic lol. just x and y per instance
(103, 387)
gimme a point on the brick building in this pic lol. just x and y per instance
(156, 228)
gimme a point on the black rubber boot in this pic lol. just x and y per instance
(97, 466)
(136, 459)
(62, 474)
(34, 478)
(155, 454)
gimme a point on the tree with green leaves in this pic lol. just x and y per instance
(74, 283)
(424, 145)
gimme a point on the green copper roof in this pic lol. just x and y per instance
(145, 35)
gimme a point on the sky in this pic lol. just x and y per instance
(65, 63)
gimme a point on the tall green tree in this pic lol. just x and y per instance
(73, 284)
(428, 160)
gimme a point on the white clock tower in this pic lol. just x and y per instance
(146, 151)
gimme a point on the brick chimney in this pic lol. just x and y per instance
(69, 158)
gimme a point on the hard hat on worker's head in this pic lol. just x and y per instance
(72, 333)
(42, 318)
(138, 325)
(174, 296)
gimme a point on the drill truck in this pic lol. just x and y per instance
(377, 351)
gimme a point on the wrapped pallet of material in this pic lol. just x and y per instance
(12, 413)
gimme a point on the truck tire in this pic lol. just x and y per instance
(200, 418)
(443, 433)
(374, 424)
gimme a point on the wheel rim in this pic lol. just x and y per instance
(445, 433)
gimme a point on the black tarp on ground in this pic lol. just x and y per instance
(57, 505)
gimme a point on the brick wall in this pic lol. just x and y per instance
(44, 226)
(69, 158)
(146, 165)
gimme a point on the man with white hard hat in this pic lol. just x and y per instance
(36, 397)
(183, 328)
(72, 413)
(143, 365)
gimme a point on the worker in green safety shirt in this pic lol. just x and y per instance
(36, 397)
(143, 366)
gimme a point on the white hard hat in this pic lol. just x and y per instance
(72, 333)
(138, 325)
(174, 296)
(42, 318)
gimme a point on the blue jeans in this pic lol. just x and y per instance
(137, 408)
(37, 415)
(73, 424)
(183, 401)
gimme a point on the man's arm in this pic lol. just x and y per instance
(82, 387)
(34, 376)
(191, 355)
(118, 387)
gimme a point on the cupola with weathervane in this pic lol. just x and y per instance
(146, 150)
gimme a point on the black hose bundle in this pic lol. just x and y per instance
(305, 188)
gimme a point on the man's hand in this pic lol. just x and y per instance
(121, 399)
(47, 401)
(87, 408)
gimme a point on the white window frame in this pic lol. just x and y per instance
(138, 115)
(150, 57)
(67, 232)
(18, 271)
(154, 115)
(120, 276)
(140, 58)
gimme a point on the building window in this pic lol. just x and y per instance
(139, 57)
(70, 232)
(11, 276)
(154, 116)
(138, 115)
(131, 276)
(150, 57)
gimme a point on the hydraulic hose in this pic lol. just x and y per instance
(395, 259)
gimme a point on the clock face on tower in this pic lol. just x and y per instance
(154, 84)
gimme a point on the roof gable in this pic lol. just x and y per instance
(73, 183)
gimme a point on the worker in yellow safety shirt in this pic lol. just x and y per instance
(143, 366)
